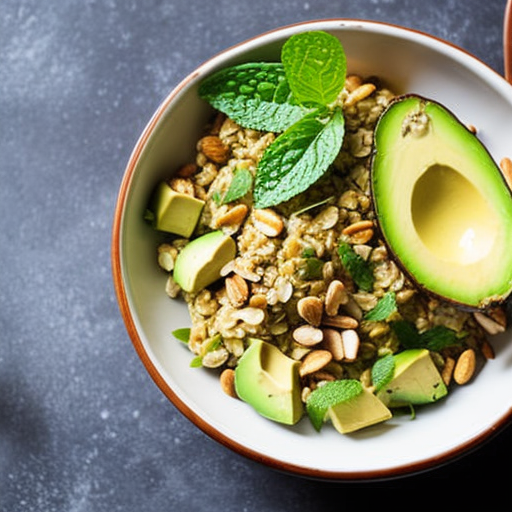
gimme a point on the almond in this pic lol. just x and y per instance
(307, 335)
(237, 290)
(227, 382)
(350, 340)
(214, 149)
(465, 367)
(311, 309)
(340, 321)
(314, 361)
(335, 296)
(333, 342)
(268, 222)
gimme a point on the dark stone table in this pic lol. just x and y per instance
(82, 425)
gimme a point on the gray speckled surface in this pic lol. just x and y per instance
(82, 425)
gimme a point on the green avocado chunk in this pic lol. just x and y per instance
(442, 203)
(415, 380)
(174, 212)
(359, 412)
(199, 263)
(268, 380)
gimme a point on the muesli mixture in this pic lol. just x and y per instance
(287, 284)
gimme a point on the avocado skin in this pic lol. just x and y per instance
(485, 302)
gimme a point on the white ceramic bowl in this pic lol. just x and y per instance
(410, 62)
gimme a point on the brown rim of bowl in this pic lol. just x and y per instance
(120, 290)
(507, 41)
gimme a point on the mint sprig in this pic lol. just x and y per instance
(239, 186)
(296, 98)
(298, 158)
(255, 95)
(315, 66)
(356, 266)
(383, 309)
(435, 338)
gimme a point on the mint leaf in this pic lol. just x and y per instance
(382, 371)
(435, 339)
(239, 186)
(298, 158)
(357, 267)
(440, 337)
(182, 334)
(328, 395)
(315, 65)
(384, 307)
(254, 95)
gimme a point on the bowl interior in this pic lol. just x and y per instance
(408, 62)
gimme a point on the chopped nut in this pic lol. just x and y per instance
(307, 335)
(237, 290)
(187, 170)
(350, 340)
(227, 382)
(333, 343)
(487, 350)
(447, 371)
(314, 361)
(490, 325)
(214, 149)
(506, 169)
(311, 310)
(340, 321)
(362, 92)
(465, 367)
(335, 296)
(268, 222)
(233, 217)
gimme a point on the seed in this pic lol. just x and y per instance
(465, 367)
(233, 216)
(311, 310)
(487, 350)
(358, 94)
(357, 226)
(237, 290)
(333, 343)
(314, 361)
(307, 335)
(506, 169)
(258, 301)
(340, 321)
(227, 382)
(350, 340)
(447, 372)
(488, 324)
(268, 222)
(187, 170)
(362, 237)
(335, 296)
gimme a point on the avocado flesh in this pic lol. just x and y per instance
(174, 212)
(199, 263)
(442, 204)
(359, 412)
(415, 381)
(268, 380)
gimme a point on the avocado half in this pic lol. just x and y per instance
(442, 204)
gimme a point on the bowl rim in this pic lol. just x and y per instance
(407, 469)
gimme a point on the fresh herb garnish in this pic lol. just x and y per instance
(435, 339)
(382, 371)
(182, 334)
(329, 395)
(239, 186)
(296, 97)
(383, 309)
(357, 267)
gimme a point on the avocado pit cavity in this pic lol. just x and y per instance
(451, 216)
